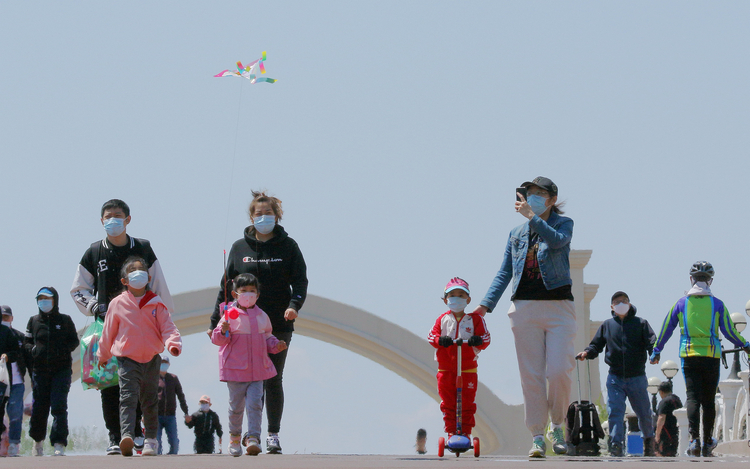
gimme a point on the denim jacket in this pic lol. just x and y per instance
(554, 248)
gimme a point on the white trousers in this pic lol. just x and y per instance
(544, 333)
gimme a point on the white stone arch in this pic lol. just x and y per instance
(383, 342)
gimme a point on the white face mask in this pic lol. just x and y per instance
(6, 323)
(621, 309)
(204, 407)
(457, 304)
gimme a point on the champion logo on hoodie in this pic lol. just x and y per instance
(264, 261)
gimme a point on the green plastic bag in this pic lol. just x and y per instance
(93, 377)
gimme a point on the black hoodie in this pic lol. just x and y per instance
(51, 338)
(281, 272)
(629, 342)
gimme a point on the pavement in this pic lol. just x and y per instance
(325, 461)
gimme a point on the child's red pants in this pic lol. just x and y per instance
(447, 389)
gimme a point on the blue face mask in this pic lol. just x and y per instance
(164, 367)
(114, 226)
(45, 306)
(264, 224)
(457, 304)
(537, 204)
(138, 279)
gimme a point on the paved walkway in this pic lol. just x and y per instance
(324, 461)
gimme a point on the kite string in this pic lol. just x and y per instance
(234, 158)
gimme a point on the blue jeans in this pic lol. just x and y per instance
(15, 412)
(634, 389)
(168, 423)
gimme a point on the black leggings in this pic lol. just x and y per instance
(273, 387)
(701, 381)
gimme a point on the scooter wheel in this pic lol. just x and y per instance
(476, 447)
(441, 446)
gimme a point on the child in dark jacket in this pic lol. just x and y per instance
(51, 337)
(629, 340)
(205, 422)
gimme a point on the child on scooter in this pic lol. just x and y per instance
(452, 325)
(245, 340)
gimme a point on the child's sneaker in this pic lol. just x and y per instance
(555, 435)
(138, 443)
(538, 448)
(272, 444)
(150, 447)
(59, 449)
(234, 446)
(708, 447)
(13, 450)
(39, 448)
(126, 446)
(694, 448)
(253, 446)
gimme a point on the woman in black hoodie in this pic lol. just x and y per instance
(51, 337)
(267, 252)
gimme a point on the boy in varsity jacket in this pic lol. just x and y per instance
(97, 282)
(452, 325)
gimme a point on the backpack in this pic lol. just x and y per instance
(583, 429)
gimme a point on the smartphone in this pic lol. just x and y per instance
(522, 191)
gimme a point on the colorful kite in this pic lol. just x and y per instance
(249, 71)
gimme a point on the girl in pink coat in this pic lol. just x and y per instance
(245, 340)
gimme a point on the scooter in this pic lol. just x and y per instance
(458, 443)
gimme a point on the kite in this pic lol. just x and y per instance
(249, 71)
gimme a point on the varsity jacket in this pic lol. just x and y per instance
(97, 278)
(628, 341)
(281, 272)
(137, 328)
(50, 339)
(700, 317)
(471, 324)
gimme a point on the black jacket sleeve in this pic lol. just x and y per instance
(217, 425)
(28, 341)
(648, 337)
(225, 288)
(180, 395)
(597, 343)
(11, 345)
(299, 279)
(71, 337)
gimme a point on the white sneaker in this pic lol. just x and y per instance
(39, 448)
(272, 444)
(235, 449)
(59, 449)
(13, 450)
(253, 446)
(150, 447)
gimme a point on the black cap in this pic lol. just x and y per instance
(6, 310)
(544, 183)
(619, 293)
(665, 386)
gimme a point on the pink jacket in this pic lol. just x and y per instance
(243, 356)
(137, 330)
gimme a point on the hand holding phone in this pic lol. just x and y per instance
(522, 191)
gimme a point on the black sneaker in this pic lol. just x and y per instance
(113, 450)
(272, 444)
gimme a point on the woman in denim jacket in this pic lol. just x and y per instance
(542, 313)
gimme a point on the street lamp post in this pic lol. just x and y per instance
(739, 323)
(670, 369)
(653, 388)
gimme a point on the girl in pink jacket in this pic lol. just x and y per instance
(245, 340)
(137, 327)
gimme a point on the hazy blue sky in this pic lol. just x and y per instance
(395, 137)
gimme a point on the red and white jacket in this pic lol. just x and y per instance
(471, 324)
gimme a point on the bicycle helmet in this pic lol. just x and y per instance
(702, 271)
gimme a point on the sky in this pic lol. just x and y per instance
(395, 137)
